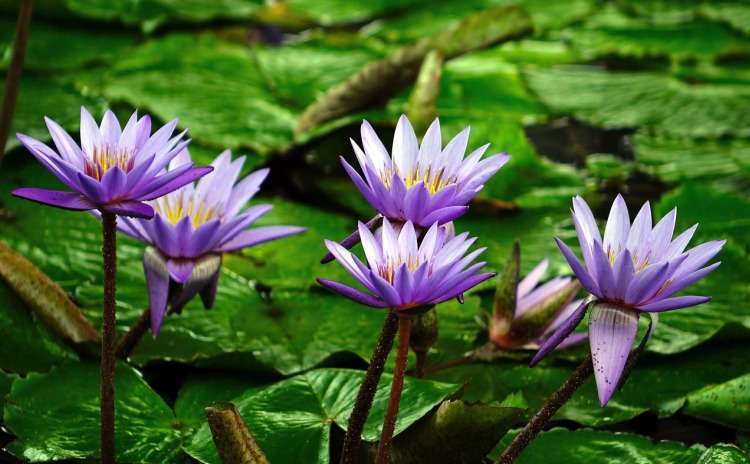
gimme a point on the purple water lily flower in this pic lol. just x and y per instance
(193, 227)
(531, 324)
(403, 274)
(424, 183)
(420, 183)
(115, 169)
(636, 268)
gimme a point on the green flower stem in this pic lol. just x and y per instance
(389, 423)
(13, 79)
(109, 253)
(367, 390)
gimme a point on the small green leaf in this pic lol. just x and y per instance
(55, 416)
(291, 420)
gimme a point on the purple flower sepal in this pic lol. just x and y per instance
(421, 183)
(115, 170)
(405, 275)
(524, 314)
(193, 227)
(635, 269)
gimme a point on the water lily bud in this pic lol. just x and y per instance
(424, 331)
(524, 314)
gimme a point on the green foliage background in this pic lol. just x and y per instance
(648, 98)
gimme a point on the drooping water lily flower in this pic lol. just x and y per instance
(422, 184)
(403, 274)
(635, 269)
(525, 314)
(115, 169)
(191, 229)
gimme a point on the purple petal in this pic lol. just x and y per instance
(113, 183)
(90, 136)
(443, 215)
(611, 331)
(260, 235)
(91, 188)
(605, 278)
(179, 181)
(416, 201)
(467, 284)
(180, 269)
(208, 293)
(589, 231)
(640, 231)
(130, 209)
(64, 171)
(661, 235)
(352, 293)
(674, 303)
(573, 340)
(532, 278)
(203, 238)
(157, 280)
(618, 225)
(686, 281)
(354, 238)
(66, 200)
(385, 290)
(110, 129)
(66, 146)
(561, 333)
(624, 272)
(583, 276)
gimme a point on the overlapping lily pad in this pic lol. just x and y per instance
(301, 410)
(54, 426)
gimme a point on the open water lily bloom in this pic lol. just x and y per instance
(424, 183)
(115, 169)
(403, 274)
(636, 268)
(191, 229)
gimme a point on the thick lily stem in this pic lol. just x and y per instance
(13, 79)
(389, 423)
(367, 390)
(109, 252)
(550, 407)
(137, 330)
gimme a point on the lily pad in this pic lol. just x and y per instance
(58, 47)
(611, 32)
(594, 447)
(262, 90)
(300, 411)
(668, 381)
(727, 403)
(633, 99)
(54, 426)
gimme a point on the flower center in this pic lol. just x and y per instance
(174, 208)
(388, 270)
(107, 157)
(434, 181)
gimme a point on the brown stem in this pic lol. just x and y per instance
(367, 390)
(421, 360)
(389, 423)
(550, 407)
(137, 330)
(13, 79)
(109, 253)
